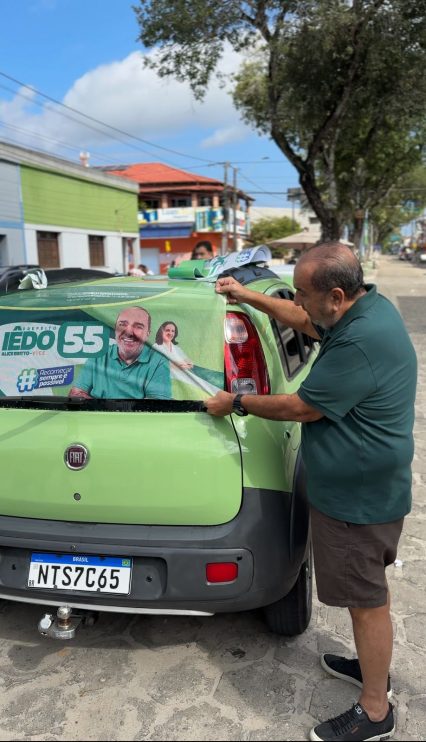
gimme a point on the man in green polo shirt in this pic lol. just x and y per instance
(357, 412)
(130, 369)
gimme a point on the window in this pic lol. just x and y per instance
(206, 201)
(150, 203)
(48, 250)
(96, 250)
(294, 347)
(182, 202)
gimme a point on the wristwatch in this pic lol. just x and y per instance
(237, 407)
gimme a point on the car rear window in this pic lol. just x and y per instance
(115, 339)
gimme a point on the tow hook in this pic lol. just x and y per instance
(65, 623)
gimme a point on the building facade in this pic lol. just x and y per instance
(178, 209)
(57, 214)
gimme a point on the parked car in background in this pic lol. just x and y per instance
(419, 257)
(405, 253)
(138, 501)
(11, 276)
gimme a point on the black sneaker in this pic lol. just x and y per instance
(355, 725)
(345, 669)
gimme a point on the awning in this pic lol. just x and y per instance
(182, 229)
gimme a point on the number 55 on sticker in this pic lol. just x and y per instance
(82, 340)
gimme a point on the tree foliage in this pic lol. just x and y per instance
(266, 230)
(404, 202)
(339, 85)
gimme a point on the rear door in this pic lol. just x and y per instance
(176, 467)
(152, 456)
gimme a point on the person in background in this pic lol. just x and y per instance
(356, 407)
(145, 270)
(202, 251)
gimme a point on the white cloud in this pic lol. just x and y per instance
(130, 97)
(225, 135)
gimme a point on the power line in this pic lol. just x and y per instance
(22, 130)
(97, 121)
(120, 131)
(82, 123)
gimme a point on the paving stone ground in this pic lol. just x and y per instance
(225, 677)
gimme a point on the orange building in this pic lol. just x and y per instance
(178, 209)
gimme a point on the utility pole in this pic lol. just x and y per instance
(234, 208)
(225, 209)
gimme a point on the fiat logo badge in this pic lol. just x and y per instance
(76, 456)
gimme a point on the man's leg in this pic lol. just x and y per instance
(373, 635)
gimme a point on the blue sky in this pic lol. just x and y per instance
(85, 54)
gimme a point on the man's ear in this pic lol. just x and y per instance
(338, 296)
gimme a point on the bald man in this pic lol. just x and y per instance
(356, 407)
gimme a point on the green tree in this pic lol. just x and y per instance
(339, 85)
(404, 202)
(266, 230)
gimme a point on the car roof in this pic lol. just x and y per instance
(188, 278)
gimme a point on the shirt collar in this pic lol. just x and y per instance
(143, 357)
(357, 309)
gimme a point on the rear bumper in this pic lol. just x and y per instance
(169, 562)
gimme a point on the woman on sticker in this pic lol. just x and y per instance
(166, 343)
(182, 369)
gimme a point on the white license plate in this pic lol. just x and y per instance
(80, 572)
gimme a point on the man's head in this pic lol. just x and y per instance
(328, 279)
(131, 332)
(202, 251)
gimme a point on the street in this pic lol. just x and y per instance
(224, 677)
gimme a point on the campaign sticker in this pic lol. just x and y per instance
(39, 378)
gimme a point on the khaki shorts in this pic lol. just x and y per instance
(350, 560)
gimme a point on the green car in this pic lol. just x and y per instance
(119, 492)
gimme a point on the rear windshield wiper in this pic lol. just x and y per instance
(44, 402)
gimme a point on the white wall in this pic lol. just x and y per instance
(73, 250)
(275, 212)
(31, 245)
(74, 246)
(150, 256)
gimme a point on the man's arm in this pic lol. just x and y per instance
(84, 382)
(271, 407)
(283, 310)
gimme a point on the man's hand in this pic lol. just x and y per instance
(221, 404)
(76, 392)
(236, 293)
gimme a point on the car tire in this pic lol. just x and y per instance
(291, 614)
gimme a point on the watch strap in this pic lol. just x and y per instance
(238, 407)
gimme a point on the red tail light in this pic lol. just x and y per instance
(245, 365)
(221, 571)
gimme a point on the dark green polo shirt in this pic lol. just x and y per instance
(108, 377)
(358, 456)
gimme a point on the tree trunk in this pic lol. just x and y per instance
(331, 229)
(357, 233)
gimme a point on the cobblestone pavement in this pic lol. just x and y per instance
(225, 677)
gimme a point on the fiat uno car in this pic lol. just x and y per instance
(119, 492)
